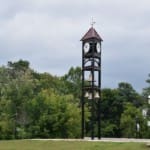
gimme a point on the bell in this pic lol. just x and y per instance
(96, 95)
(90, 96)
(86, 95)
(90, 77)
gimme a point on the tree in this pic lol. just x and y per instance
(111, 109)
(145, 94)
(37, 104)
(129, 120)
(54, 116)
(128, 94)
(41, 105)
(19, 65)
(73, 81)
(146, 91)
(113, 105)
(17, 88)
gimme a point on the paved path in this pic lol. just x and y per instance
(102, 140)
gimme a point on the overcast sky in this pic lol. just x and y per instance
(47, 33)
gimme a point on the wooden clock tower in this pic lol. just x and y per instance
(91, 80)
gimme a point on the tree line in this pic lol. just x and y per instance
(40, 105)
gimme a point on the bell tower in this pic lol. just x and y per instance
(91, 80)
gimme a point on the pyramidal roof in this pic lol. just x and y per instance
(91, 34)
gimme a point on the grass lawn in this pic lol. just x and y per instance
(68, 145)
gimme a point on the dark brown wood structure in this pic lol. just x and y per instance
(91, 88)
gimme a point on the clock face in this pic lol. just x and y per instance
(98, 47)
(86, 47)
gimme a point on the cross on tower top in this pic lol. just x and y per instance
(92, 22)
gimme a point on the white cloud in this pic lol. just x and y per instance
(47, 33)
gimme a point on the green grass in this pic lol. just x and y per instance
(70, 145)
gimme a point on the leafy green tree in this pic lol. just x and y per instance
(111, 109)
(32, 114)
(20, 65)
(145, 94)
(73, 81)
(129, 120)
(146, 91)
(128, 94)
(17, 87)
(113, 105)
(41, 105)
(6, 127)
(54, 116)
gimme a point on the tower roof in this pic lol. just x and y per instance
(91, 34)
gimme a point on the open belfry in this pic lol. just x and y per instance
(91, 81)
